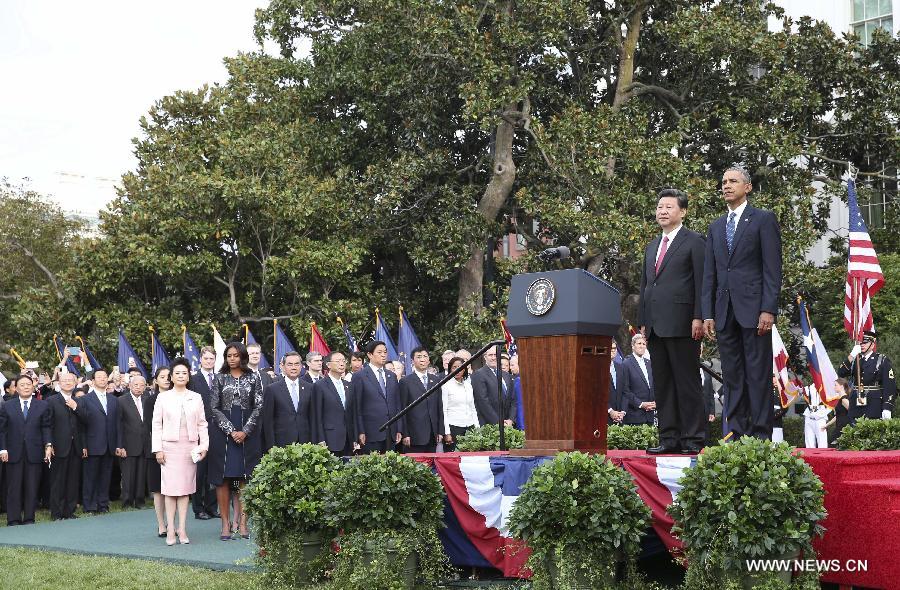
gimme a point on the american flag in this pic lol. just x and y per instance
(864, 277)
(511, 348)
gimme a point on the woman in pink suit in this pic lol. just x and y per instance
(180, 439)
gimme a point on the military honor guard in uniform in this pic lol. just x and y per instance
(873, 396)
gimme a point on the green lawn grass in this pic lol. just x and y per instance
(30, 569)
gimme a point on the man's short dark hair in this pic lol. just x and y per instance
(677, 194)
(291, 353)
(371, 346)
(331, 354)
(417, 350)
(134, 370)
(358, 355)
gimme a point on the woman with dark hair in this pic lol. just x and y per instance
(236, 399)
(459, 405)
(161, 382)
(180, 440)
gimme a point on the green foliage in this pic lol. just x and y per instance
(284, 499)
(626, 436)
(580, 511)
(792, 428)
(385, 492)
(871, 435)
(388, 507)
(747, 499)
(487, 438)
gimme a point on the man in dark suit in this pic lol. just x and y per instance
(670, 318)
(98, 413)
(484, 389)
(65, 434)
(741, 284)
(616, 384)
(425, 422)
(254, 354)
(25, 444)
(132, 449)
(287, 406)
(333, 422)
(376, 397)
(313, 367)
(203, 501)
(638, 400)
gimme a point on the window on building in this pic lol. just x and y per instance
(869, 15)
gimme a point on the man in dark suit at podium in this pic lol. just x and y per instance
(333, 421)
(425, 422)
(670, 318)
(637, 388)
(741, 284)
(484, 389)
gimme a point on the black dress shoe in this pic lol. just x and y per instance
(663, 450)
(215, 514)
(202, 516)
(691, 450)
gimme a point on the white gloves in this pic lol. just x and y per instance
(885, 414)
(855, 352)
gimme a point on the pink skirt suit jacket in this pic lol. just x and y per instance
(179, 426)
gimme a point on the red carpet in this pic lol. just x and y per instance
(862, 496)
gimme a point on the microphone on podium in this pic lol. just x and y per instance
(558, 253)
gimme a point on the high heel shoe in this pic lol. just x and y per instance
(170, 540)
(182, 538)
(161, 534)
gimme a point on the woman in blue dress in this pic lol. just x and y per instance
(235, 445)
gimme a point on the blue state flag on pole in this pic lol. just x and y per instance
(407, 341)
(191, 352)
(159, 357)
(248, 340)
(60, 352)
(351, 341)
(92, 360)
(127, 357)
(381, 333)
(283, 345)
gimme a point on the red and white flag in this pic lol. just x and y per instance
(864, 276)
(779, 369)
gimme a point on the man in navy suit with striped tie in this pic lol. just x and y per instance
(741, 284)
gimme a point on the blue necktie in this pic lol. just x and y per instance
(729, 231)
(25, 411)
(381, 381)
(294, 397)
(341, 393)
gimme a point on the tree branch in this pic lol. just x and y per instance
(49, 274)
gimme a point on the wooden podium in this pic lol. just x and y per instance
(563, 322)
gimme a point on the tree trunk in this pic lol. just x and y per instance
(626, 68)
(492, 201)
(43, 268)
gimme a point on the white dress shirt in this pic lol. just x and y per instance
(341, 386)
(671, 235)
(737, 214)
(459, 405)
(642, 363)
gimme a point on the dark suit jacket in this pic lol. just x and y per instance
(332, 421)
(636, 390)
(426, 420)
(373, 408)
(100, 430)
(750, 277)
(131, 427)
(199, 385)
(308, 378)
(484, 390)
(615, 390)
(670, 300)
(65, 433)
(282, 424)
(25, 439)
(264, 378)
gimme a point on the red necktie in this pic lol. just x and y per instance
(662, 252)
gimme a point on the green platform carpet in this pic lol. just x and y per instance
(132, 534)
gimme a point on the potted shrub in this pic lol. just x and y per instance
(580, 515)
(389, 508)
(750, 499)
(643, 436)
(284, 500)
(487, 438)
(870, 435)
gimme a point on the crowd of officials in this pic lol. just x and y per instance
(188, 441)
